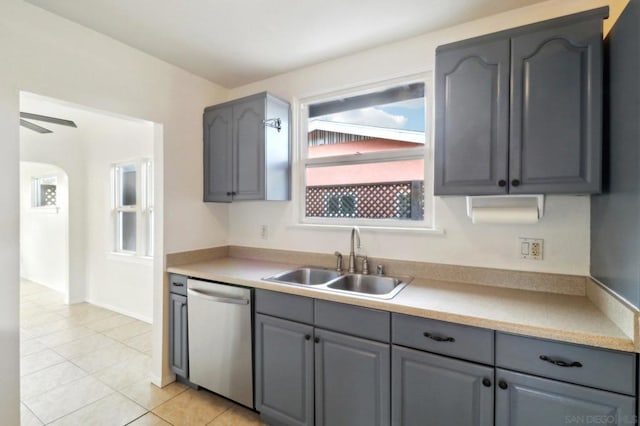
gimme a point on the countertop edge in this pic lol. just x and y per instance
(597, 340)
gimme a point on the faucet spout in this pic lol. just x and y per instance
(355, 235)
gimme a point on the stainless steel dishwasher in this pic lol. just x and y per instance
(220, 345)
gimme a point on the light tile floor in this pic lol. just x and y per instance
(85, 365)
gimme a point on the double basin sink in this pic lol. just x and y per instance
(378, 286)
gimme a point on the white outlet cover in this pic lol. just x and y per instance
(525, 248)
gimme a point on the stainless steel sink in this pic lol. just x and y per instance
(305, 276)
(371, 285)
(377, 286)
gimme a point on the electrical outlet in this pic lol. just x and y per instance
(531, 248)
(264, 232)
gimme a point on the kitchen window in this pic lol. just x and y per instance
(363, 156)
(132, 184)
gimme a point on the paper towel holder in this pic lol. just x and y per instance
(519, 200)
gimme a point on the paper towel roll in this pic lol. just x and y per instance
(518, 215)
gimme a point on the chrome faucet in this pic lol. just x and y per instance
(338, 261)
(355, 233)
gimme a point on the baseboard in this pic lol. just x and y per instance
(162, 381)
(121, 311)
(44, 285)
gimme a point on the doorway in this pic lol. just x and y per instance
(86, 298)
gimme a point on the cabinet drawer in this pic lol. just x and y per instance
(460, 341)
(354, 320)
(599, 368)
(283, 305)
(178, 284)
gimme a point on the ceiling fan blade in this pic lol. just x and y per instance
(34, 127)
(47, 119)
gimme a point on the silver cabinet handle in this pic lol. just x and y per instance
(196, 293)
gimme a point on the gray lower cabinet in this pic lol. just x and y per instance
(331, 364)
(178, 335)
(321, 363)
(284, 371)
(434, 390)
(520, 111)
(247, 152)
(352, 380)
(524, 400)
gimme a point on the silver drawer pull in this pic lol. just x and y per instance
(438, 338)
(560, 363)
(196, 293)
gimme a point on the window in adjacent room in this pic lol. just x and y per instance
(45, 191)
(364, 156)
(133, 207)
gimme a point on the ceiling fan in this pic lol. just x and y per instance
(31, 126)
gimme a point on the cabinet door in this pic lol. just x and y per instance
(284, 371)
(178, 335)
(556, 110)
(218, 155)
(352, 381)
(523, 400)
(248, 145)
(472, 119)
(434, 390)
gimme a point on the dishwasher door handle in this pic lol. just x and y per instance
(232, 300)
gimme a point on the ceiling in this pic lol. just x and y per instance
(235, 42)
(84, 117)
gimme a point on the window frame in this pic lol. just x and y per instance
(148, 206)
(425, 153)
(143, 208)
(36, 195)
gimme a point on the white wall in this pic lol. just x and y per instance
(44, 232)
(65, 149)
(51, 56)
(565, 226)
(119, 282)
(9, 256)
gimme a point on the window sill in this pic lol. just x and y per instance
(45, 209)
(373, 228)
(129, 258)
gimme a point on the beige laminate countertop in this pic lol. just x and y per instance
(553, 316)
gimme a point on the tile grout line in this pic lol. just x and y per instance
(31, 411)
(78, 409)
(70, 324)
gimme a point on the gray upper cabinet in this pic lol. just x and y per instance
(520, 111)
(472, 119)
(556, 109)
(353, 381)
(248, 144)
(444, 390)
(523, 400)
(247, 150)
(218, 149)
